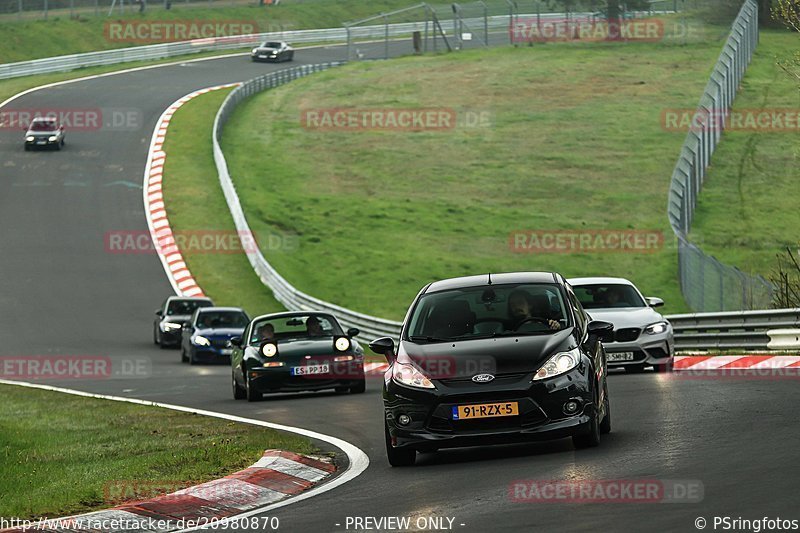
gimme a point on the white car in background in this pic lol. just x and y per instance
(642, 336)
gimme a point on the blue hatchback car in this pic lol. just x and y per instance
(206, 336)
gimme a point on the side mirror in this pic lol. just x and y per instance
(236, 341)
(383, 346)
(352, 332)
(159, 312)
(601, 329)
(652, 301)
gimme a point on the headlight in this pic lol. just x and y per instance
(655, 329)
(52, 138)
(201, 341)
(255, 51)
(558, 364)
(342, 344)
(409, 375)
(169, 326)
(30, 138)
(269, 349)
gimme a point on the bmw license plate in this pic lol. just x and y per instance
(309, 370)
(226, 351)
(485, 410)
(620, 356)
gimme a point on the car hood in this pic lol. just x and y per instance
(627, 317)
(221, 332)
(312, 347)
(178, 319)
(497, 356)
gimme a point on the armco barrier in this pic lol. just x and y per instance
(702, 331)
(284, 292)
(167, 50)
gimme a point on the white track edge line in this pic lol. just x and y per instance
(357, 459)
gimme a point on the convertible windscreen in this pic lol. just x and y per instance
(295, 328)
(608, 295)
(488, 311)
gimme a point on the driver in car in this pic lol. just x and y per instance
(265, 333)
(522, 308)
(314, 327)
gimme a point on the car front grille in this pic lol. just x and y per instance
(627, 334)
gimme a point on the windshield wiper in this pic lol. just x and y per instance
(426, 338)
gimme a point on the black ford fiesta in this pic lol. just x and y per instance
(491, 359)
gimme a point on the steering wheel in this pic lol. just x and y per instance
(533, 319)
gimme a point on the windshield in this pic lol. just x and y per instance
(43, 125)
(271, 45)
(608, 295)
(222, 319)
(488, 311)
(294, 327)
(185, 307)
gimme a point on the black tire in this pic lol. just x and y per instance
(238, 392)
(399, 456)
(250, 392)
(27, 148)
(183, 356)
(361, 388)
(63, 142)
(666, 368)
(591, 438)
(155, 335)
(192, 360)
(58, 146)
(605, 425)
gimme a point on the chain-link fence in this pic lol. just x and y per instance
(706, 283)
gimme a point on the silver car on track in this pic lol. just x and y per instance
(642, 336)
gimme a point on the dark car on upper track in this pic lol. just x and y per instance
(207, 336)
(294, 352)
(172, 315)
(274, 51)
(494, 359)
(45, 132)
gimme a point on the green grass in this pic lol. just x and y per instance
(576, 143)
(65, 454)
(748, 210)
(194, 202)
(33, 39)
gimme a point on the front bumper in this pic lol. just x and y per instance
(647, 350)
(42, 143)
(170, 336)
(541, 411)
(210, 354)
(265, 57)
(280, 379)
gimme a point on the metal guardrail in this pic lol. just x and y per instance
(292, 298)
(702, 331)
(706, 283)
(234, 42)
(731, 330)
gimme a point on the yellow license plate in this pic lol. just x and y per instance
(485, 410)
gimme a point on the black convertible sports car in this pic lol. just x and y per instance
(491, 359)
(293, 352)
